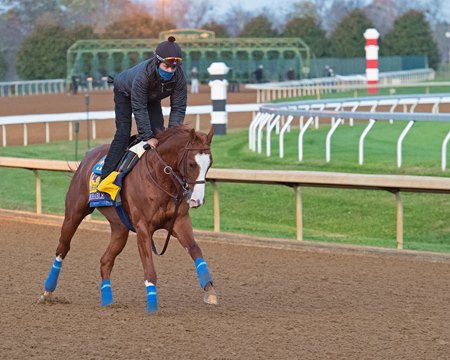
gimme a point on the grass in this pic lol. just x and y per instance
(345, 216)
(391, 90)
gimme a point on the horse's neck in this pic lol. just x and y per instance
(169, 156)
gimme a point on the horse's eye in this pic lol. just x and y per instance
(191, 164)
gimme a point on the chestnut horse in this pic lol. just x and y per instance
(156, 194)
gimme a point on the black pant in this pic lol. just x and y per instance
(123, 128)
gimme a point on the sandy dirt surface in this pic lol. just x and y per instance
(101, 101)
(276, 301)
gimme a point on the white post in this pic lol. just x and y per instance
(218, 85)
(400, 142)
(4, 135)
(371, 36)
(25, 135)
(328, 140)
(444, 151)
(361, 140)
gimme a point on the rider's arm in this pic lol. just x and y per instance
(178, 100)
(139, 100)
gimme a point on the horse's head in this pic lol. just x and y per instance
(193, 159)
(195, 163)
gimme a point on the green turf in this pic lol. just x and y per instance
(345, 216)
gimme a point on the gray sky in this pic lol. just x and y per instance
(274, 5)
(281, 7)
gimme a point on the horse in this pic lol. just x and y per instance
(157, 194)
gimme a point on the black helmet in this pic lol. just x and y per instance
(169, 52)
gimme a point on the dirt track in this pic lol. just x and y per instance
(291, 302)
(298, 303)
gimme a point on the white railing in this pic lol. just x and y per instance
(94, 116)
(33, 87)
(315, 87)
(51, 86)
(273, 116)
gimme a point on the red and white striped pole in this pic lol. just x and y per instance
(371, 36)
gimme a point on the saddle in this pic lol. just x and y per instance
(108, 193)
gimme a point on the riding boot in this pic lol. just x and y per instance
(112, 183)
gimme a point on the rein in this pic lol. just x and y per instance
(183, 188)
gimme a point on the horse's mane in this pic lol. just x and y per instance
(179, 134)
(173, 132)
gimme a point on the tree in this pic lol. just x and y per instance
(219, 29)
(42, 55)
(332, 12)
(3, 67)
(303, 8)
(235, 19)
(382, 13)
(308, 29)
(189, 13)
(27, 12)
(259, 26)
(347, 40)
(411, 35)
(136, 26)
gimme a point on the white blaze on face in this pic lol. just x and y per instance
(198, 194)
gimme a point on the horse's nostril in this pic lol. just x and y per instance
(194, 203)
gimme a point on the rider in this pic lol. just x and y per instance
(139, 91)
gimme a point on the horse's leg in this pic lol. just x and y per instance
(119, 237)
(76, 210)
(144, 238)
(185, 235)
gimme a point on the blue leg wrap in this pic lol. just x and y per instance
(52, 279)
(202, 272)
(152, 300)
(106, 290)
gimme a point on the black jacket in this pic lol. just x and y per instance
(143, 85)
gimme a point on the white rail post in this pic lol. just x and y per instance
(47, 133)
(270, 126)
(25, 135)
(252, 131)
(282, 131)
(444, 151)
(197, 122)
(260, 131)
(328, 140)
(300, 137)
(70, 130)
(400, 142)
(4, 135)
(361, 140)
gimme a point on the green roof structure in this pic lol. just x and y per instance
(98, 58)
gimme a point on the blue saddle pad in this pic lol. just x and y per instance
(97, 169)
(98, 198)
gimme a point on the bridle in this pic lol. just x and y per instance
(179, 180)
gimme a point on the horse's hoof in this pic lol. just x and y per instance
(44, 297)
(210, 297)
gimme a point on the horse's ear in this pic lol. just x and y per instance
(192, 134)
(210, 135)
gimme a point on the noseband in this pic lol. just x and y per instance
(180, 182)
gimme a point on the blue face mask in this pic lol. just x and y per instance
(165, 75)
